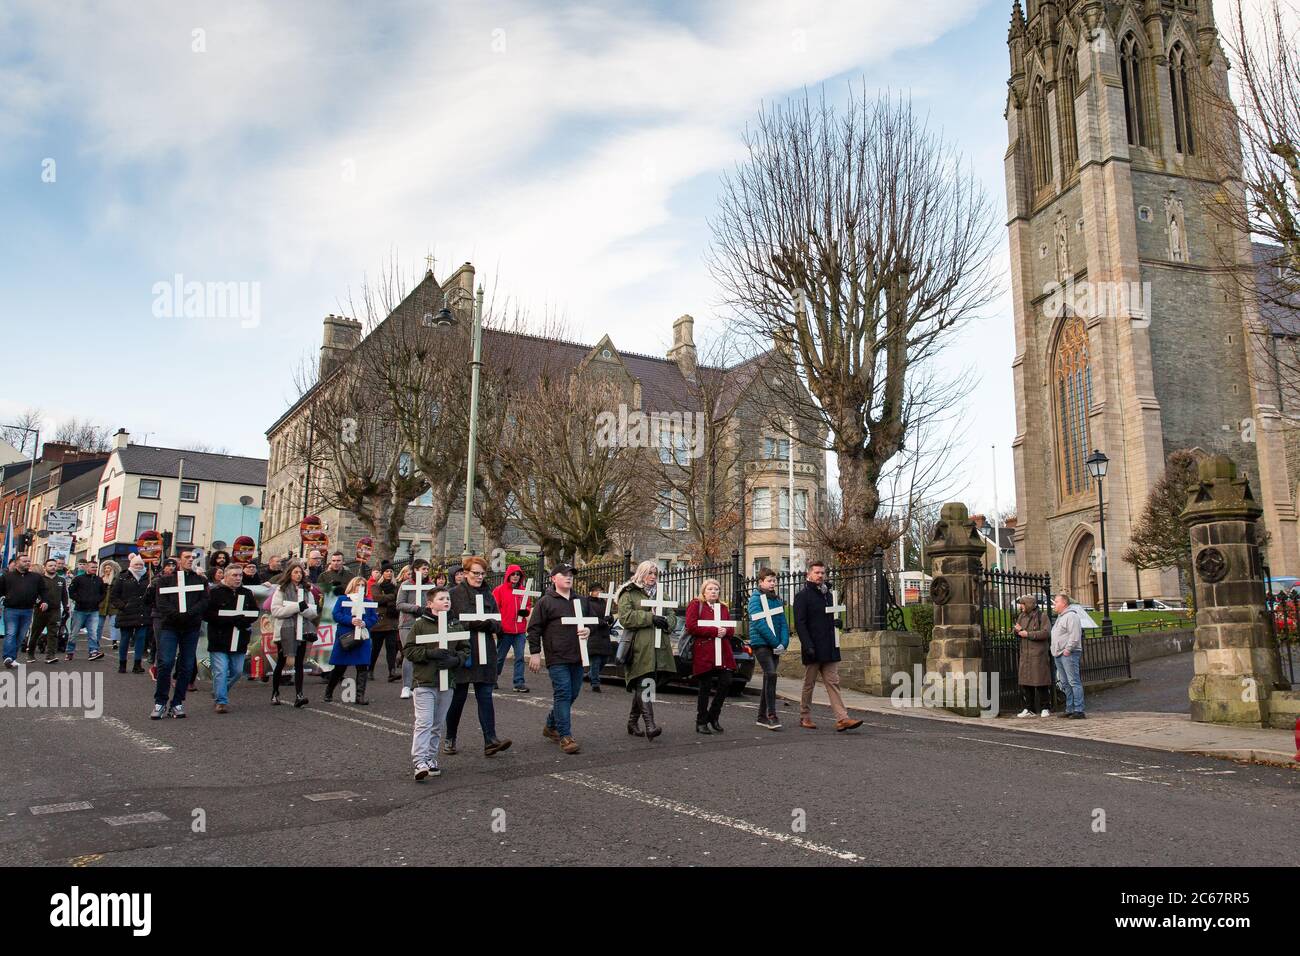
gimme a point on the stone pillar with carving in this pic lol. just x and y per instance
(1235, 656)
(957, 560)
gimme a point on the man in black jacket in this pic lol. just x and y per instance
(182, 597)
(819, 650)
(86, 592)
(46, 624)
(24, 593)
(128, 596)
(547, 629)
(481, 671)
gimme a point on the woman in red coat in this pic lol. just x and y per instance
(712, 661)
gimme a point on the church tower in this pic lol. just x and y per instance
(1131, 337)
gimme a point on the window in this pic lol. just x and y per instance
(1072, 393)
(783, 509)
(1042, 135)
(185, 529)
(762, 508)
(1179, 90)
(189, 491)
(150, 488)
(665, 512)
(674, 448)
(671, 511)
(1069, 88)
(103, 503)
(774, 447)
(800, 509)
(1130, 74)
(761, 562)
(145, 521)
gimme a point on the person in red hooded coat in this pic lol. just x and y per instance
(514, 623)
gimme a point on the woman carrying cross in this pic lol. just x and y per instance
(648, 621)
(295, 609)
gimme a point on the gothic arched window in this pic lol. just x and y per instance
(1180, 92)
(1041, 136)
(1072, 394)
(1069, 87)
(1130, 73)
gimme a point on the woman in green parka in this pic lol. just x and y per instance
(646, 666)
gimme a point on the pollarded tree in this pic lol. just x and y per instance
(1160, 539)
(854, 240)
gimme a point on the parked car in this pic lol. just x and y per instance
(744, 661)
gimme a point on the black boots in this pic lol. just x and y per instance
(633, 719)
(702, 728)
(652, 730)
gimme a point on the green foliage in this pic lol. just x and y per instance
(921, 620)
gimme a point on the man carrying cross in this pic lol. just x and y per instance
(559, 627)
(514, 598)
(474, 609)
(181, 603)
(434, 662)
(231, 614)
(814, 622)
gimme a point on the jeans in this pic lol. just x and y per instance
(139, 634)
(18, 621)
(566, 684)
(91, 621)
(226, 669)
(597, 663)
(486, 715)
(408, 673)
(1067, 677)
(114, 634)
(431, 706)
(506, 642)
(768, 662)
(179, 649)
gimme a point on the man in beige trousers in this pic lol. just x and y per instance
(819, 649)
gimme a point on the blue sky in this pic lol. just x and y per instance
(573, 151)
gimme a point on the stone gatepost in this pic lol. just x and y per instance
(1237, 669)
(956, 648)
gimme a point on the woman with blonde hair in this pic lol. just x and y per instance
(650, 657)
(712, 659)
(352, 623)
(108, 571)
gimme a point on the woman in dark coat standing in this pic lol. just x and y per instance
(1035, 674)
(348, 621)
(599, 647)
(384, 592)
(481, 669)
(712, 672)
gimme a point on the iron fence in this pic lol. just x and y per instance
(999, 590)
(1284, 615)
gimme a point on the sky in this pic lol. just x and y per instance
(571, 151)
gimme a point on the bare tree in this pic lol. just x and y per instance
(21, 431)
(1253, 140)
(206, 448)
(855, 241)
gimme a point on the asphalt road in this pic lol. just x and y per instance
(330, 784)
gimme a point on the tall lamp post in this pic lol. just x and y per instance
(31, 471)
(1096, 463)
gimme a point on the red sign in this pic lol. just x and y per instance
(312, 531)
(242, 550)
(365, 548)
(150, 547)
(110, 520)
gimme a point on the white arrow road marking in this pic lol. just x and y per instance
(353, 720)
(708, 816)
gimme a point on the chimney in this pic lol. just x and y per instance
(462, 278)
(340, 336)
(58, 451)
(121, 439)
(1009, 522)
(683, 350)
(978, 519)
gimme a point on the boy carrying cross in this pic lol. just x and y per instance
(434, 662)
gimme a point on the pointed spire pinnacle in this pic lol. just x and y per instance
(1017, 20)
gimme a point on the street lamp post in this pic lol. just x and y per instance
(472, 457)
(31, 470)
(1097, 468)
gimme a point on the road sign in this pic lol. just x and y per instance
(60, 546)
(61, 522)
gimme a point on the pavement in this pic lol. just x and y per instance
(1155, 729)
(330, 784)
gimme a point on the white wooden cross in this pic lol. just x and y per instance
(768, 612)
(656, 606)
(524, 594)
(442, 639)
(480, 616)
(354, 604)
(834, 608)
(419, 587)
(298, 618)
(719, 626)
(609, 598)
(180, 589)
(239, 611)
(581, 623)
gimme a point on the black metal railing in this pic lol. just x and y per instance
(999, 591)
(1284, 617)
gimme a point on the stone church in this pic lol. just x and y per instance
(1131, 335)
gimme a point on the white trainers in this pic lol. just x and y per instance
(157, 712)
(406, 693)
(1025, 713)
(421, 771)
(1045, 713)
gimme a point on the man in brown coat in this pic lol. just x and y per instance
(1035, 674)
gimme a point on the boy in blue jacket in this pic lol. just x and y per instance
(769, 636)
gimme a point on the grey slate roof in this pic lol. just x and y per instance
(199, 466)
(1276, 307)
